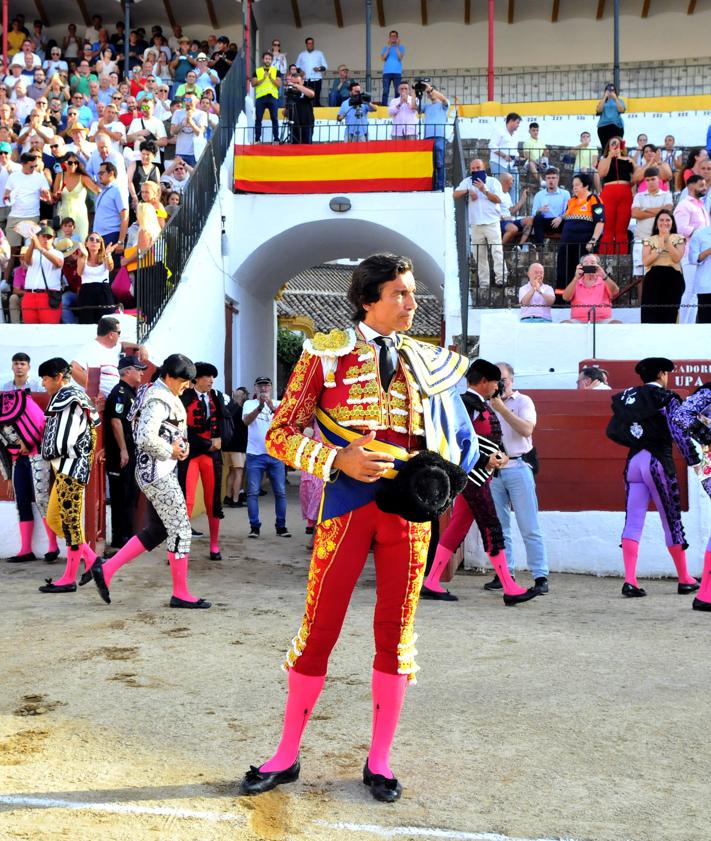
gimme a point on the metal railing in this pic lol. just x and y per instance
(161, 267)
(322, 131)
(497, 272)
(564, 82)
(563, 158)
(461, 227)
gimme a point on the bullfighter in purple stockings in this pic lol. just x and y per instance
(642, 421)
(693, 418)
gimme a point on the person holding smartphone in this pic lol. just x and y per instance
(616, 170)
(590, 293)
(610, 109)
(485, 195)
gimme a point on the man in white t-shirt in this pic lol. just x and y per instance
(103, 352)
(257, 416)
(7, 167)
(23, 191)
(503, 148)
(485, 196)
(187, 125)
(147, 127)
(645, 207)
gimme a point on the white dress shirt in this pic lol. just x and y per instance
(307, 61)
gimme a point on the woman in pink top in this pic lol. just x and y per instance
(590, 293)
(652, 156)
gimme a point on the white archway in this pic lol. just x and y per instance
(266, 269)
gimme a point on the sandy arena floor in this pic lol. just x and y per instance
(578, 715)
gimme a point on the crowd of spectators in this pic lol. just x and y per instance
(83, 146)
(652, 202)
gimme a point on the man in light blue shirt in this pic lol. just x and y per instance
(391, 55)
(700, 256)
(549, 207)
(435, 111)
(355, 112)
(110, 208)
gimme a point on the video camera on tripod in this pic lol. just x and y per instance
(358, 100)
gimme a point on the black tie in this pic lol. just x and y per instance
(385, 360)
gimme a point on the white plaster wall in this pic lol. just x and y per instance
(548, 355)
(589, 541)
(272, 238)
(531, 41)
(43, 341)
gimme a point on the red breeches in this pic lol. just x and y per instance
(204, 468)
(341, 547)
(617, 199)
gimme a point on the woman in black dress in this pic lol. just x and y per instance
(663, 281)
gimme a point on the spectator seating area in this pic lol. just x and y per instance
(66, 109)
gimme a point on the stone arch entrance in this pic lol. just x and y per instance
(292, 250)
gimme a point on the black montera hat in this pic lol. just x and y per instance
(649, 368)
(178, 366)
(423, 488)
(205, 369)
(485, 369)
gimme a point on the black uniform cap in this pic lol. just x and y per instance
(649, 368)
(205, 369)
(485, 369)
(178, 366)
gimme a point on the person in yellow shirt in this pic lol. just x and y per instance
(266, 82)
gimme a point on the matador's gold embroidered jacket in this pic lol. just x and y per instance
(338, 373)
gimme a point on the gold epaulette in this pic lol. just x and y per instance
(329, 346)
(336, 343)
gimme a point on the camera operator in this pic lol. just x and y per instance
(266, 84)
(403, 110)
(435, 111)
(355, 112)
(299, 107)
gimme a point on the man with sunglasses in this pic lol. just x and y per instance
(7, 167)
(104, 352)
(55, 64)
(84, 113)
(23, 191)
(111, 207)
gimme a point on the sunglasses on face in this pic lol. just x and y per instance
(93, 239)
(72, 163)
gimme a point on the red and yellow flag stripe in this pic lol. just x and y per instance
(380, 165)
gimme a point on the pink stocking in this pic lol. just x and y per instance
(26, 527)
(441, 559)
(51, 537)
(704, 593)
(388, 697)
(179, 571)
(300, 702)
(630, 551)
(498, 561)
(214, 525)
(72, 567)
(128, 552)
(679, 557)
(89, 556)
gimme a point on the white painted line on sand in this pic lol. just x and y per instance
(426, 832)
(117, 808)
(227, 817)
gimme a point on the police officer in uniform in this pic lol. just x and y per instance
(121, 450)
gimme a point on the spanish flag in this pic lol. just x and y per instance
(377, 166)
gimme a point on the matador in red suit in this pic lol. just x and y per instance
(383, 403)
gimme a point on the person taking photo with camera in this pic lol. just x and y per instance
(266, 84)
(610, 109)
(299, 107)
(355, 113)
(435, 111)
